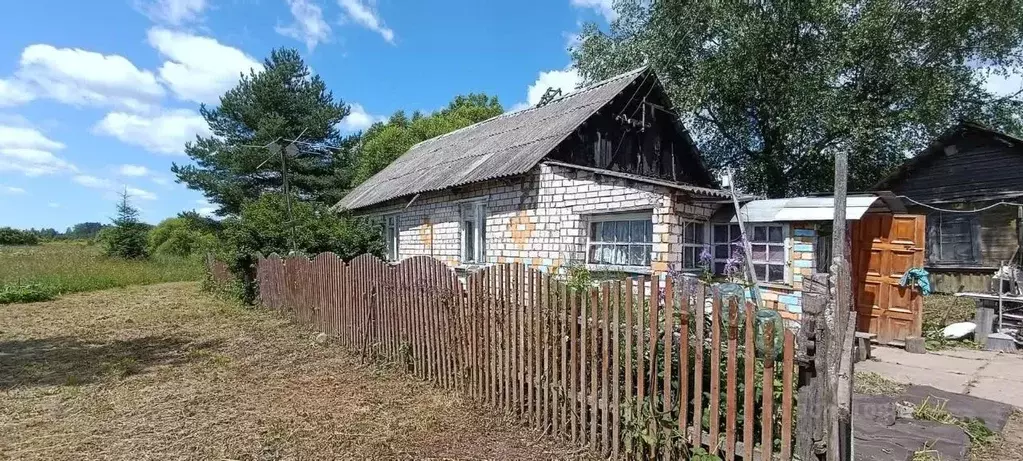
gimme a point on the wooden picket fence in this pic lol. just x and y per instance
(634, 367)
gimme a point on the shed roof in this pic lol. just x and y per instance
(802, 209)
(505, 145)
(937, 147)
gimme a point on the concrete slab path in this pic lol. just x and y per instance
(990, 375)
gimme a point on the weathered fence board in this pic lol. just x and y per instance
(592, 365)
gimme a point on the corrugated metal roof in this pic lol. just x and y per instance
(697, 190)
(806, 209)
(505, 145)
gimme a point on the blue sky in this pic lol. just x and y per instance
(99, 96)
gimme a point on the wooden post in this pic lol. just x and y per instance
(811, 419)
(838, 322)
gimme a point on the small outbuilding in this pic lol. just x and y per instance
(791, 240)
(969, 185)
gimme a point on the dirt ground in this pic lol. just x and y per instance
(166, 372)
(1007, 447)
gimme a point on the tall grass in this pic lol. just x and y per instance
(35, 273)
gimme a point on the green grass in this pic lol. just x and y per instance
(41, 272)
(943, 310)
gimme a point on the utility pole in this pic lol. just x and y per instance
(276, 150)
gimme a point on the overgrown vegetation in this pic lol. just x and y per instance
(774, 88)
(266, 226)
(870, 383)
(10, 236)
(41, 272)
(934, 410)
(943, 310)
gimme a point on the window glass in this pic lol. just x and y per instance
(621, 241)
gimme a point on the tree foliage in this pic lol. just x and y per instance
(281, 102)
(263, 226)
(128, 237)
(775, 87)
(11, 236)
(85, 230)
(180, 236)
(382, 143)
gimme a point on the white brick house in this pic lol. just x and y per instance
(575, 182)
(606, 178)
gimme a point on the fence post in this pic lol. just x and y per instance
(811, 420)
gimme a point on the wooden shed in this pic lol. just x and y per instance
(969, 184)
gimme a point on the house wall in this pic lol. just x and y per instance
(996, 242)
(541, 219)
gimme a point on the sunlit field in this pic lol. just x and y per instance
(41, 272)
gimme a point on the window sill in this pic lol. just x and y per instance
(776, 286)
(641, 270)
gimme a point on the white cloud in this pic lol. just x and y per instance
(161, 180)
(93, 182)
(11, 190)
(113, 189)
(14, 137)
(141, 194)
(205, 207)
(53, 205)
(565, 80)
(133, 170)
(358, 119)
(199, 69)
(14, 92)
(309, 26)
(26, 150)
(163, 133)
(604, 7)
(174, 12)
(365, 15)
(80, 77)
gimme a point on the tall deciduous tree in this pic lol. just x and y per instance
(280, 102)
(775, 87)
(384, 142)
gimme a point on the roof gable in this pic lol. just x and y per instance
(505, 145)
(937, 148)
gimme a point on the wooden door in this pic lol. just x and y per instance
(884, 247)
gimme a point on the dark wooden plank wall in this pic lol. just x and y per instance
(981, 168)
(661, 149)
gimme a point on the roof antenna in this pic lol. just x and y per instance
(549, 96)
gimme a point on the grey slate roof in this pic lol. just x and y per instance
(506, 145)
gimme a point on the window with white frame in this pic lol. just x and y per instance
(391, 236)
(473, 230)
(694, 239)
(767, 246)
(620, 240)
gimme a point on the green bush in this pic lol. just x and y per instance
(27, 293)
(264, 227)
(179, 237)
(11, 236)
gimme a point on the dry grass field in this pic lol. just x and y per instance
(166, 372)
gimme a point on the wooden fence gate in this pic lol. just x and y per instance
(637, 367)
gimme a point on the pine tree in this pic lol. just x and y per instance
(281, 102)
(128, 237)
